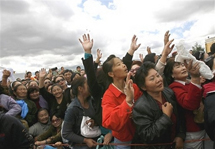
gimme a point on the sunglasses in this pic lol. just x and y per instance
(56, 121)
(58, 81)
(47, 82)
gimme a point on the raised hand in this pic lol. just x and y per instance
(168, 48)
(87, 44)
(129, 90)
(42, 73)
(99, 56)
(166, 37)
(6, 73)
(149, 50)
(133, 46)
(141, 57)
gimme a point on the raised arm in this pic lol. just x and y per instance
(127, 59)
(166, 51)
(95, 89)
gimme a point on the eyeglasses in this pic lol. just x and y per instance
(47, 82)
(56, 121)
(58, 81)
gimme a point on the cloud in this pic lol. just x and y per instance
(37, 34)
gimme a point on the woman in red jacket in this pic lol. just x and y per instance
(117, 102)
(188, 95)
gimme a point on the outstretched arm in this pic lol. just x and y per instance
(127, 59)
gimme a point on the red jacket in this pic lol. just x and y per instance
(116, 114)
(188, 97)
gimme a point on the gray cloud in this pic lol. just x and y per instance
(15, 7)
(181, 10)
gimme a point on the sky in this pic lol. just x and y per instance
(37, 34)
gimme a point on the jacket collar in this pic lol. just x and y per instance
(117, 92)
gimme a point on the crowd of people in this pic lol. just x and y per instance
(151, 103)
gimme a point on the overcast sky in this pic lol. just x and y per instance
(37, 34)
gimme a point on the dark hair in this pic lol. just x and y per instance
(67, 70)
(73, 75)
(168, 70)
(29, 82)
(210, 62)
(16, 87)
(42, 109)
(199, 55)
(55, 85)
(31, 89)
(107, 67)
(139, 63)
(142, 73)
(78, 67)
(28, 72)
(13, 84)
(76, 83)
(50, 84)
(102, 79)
(150, 57)
(1, 90)
(36, 72)
(54, 80)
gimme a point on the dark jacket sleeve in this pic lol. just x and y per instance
(127, 60)
(47, 96)
(209, 117)
(95, 89)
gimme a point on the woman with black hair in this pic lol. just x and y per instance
(43, 123)
(57, 100)
(81, 106)
(118, 99)
(53, 134)
(29, 108)
(155, 114)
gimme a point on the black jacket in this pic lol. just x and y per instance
(209, 115)
(13, 134)
(152, 125)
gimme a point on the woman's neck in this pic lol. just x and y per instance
(83, 100)
(156, 95)
(120, 84)
(59, 99)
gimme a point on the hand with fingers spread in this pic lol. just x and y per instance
(129, 90)
(134, 46)
(99, 56)
(148, 50)
(168, 48)
(42, 73)
(166, 37)
(141, 57)
(86, 43)
(167, 109)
